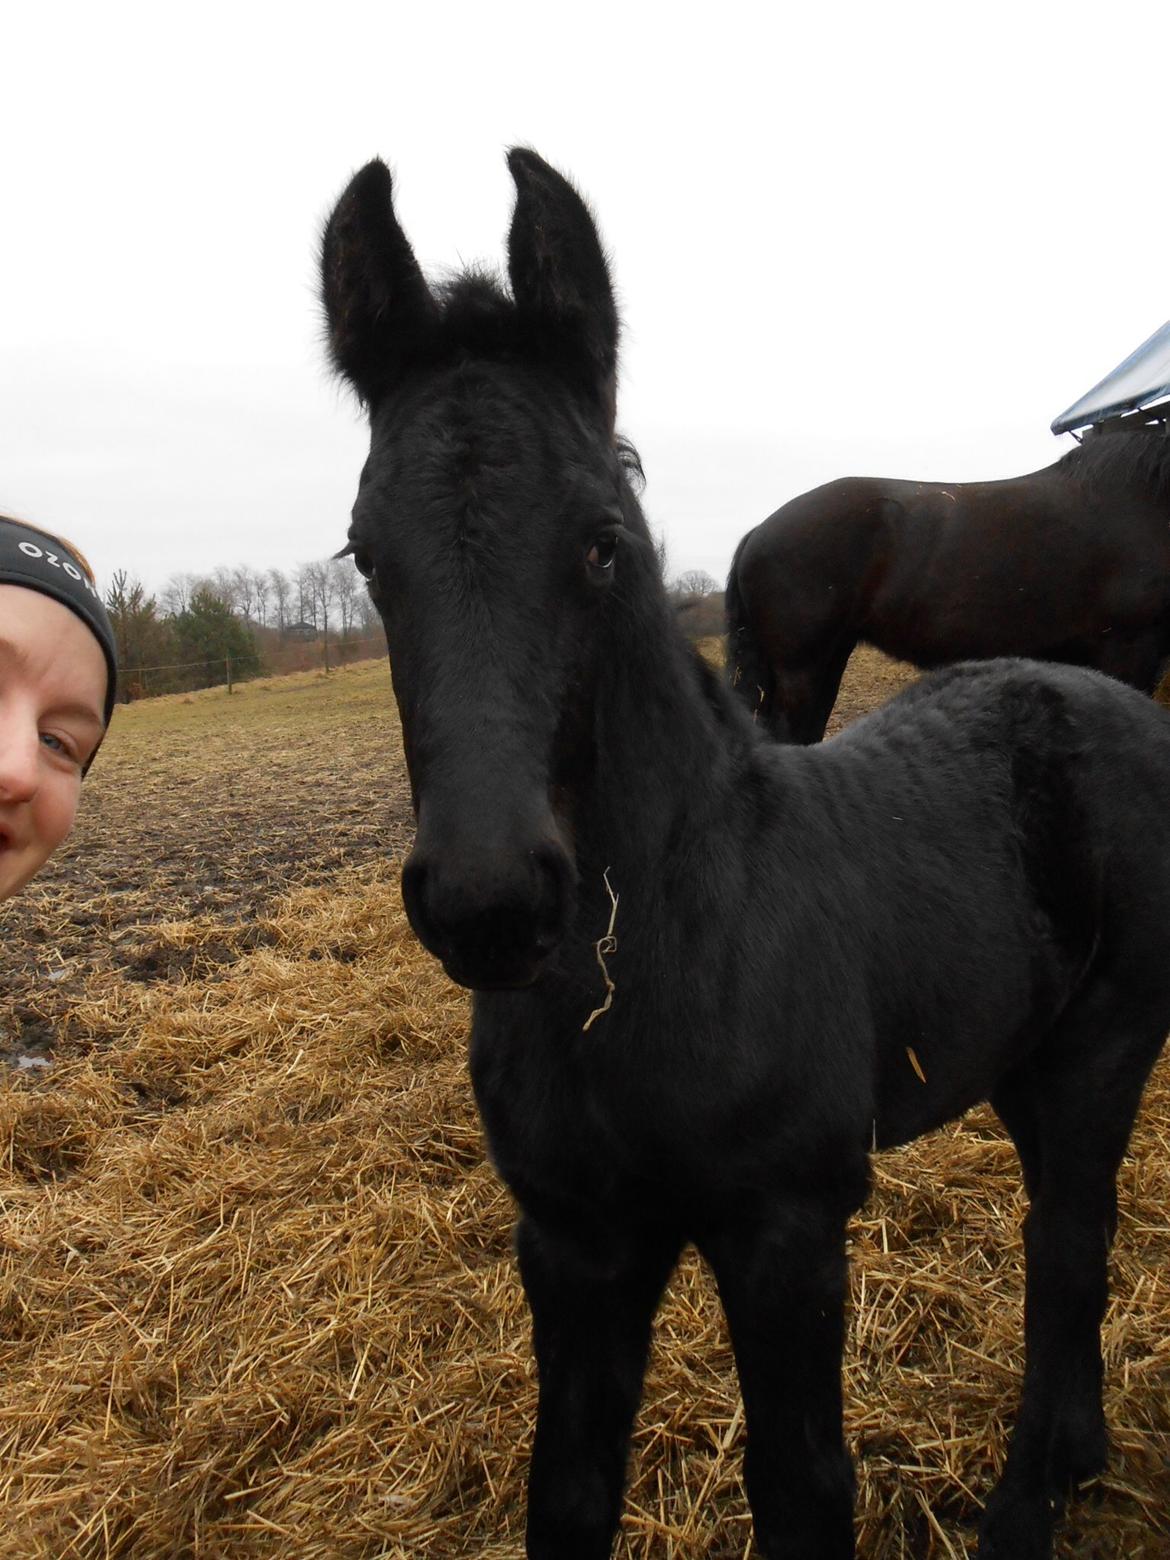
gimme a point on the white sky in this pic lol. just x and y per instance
(888, 239)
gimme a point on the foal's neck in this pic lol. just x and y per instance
(668, 743)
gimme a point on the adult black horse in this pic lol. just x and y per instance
(712, 971)
(1071, 563)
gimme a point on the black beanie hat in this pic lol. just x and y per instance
(41, 562)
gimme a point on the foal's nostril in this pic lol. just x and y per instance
(492, 914)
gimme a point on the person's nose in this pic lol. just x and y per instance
(20, 757)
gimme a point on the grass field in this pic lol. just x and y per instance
(256, 1289)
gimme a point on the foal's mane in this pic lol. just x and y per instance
(1140, 458)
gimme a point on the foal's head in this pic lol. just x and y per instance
(494, 525)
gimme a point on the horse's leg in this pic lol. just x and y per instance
(1084, 1095)
(782, 1283)
(802, 698)
(752, 676)
(592, 1309)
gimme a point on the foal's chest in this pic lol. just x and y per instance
(620, 1118)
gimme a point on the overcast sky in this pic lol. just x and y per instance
(888, 239)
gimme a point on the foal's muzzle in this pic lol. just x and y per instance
(491, 909)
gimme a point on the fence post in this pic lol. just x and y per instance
(228, 659)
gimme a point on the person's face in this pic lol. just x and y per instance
(52, 697)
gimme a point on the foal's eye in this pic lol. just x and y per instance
(599, 558)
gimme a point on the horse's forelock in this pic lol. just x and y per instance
(477, 317)
(476, 314)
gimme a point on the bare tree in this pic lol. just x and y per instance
(696, 583)
(222, 583)
(319, 585)
(306, 599)
(177, 593)
(281, 591)
(344, 578)
(244, 589)
(261, 588)
(698, 601)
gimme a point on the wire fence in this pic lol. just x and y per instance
(294, 655)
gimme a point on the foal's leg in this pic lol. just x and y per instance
(1014, 1102)
(1085, 1094)
(782, 1283)
(591, 1314)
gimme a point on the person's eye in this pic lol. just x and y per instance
(61, 745)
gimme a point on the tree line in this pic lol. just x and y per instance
(206, 629)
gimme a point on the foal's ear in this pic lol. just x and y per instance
(377, 305)
(560, 280)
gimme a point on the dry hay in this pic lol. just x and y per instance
(256, 1287)
(258, 1297)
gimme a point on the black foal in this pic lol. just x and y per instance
(711, 971)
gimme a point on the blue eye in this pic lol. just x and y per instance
(56, 744)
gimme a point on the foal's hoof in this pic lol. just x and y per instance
(1014, 1528)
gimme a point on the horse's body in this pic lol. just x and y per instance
(1071, 563)
(965, 896)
